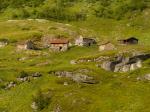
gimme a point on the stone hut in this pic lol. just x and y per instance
(26, 45)
(46, 39)
(129, 41)
(81, 41)
(58, 44)
(106, 46)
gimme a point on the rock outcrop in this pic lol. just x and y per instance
(77, 76)
(85, 60)
(124, 63)
(10, 85)
(30, 77)
(144, 78)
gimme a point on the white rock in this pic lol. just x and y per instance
(72, 62)
(147, 77)
(34, 106)
(65, 83)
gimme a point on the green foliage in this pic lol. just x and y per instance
(23, 74)
(42, 100)
(114, 92)
(61, 9)
(119, 8)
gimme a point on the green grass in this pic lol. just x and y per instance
(111, 94)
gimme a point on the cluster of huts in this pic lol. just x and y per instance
(62, 44)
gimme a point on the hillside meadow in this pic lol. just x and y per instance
(115, 92)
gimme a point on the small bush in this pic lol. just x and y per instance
(4, 40)
(42, 100)
(23, 74)
(2, 86)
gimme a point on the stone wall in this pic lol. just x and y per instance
(124, 64)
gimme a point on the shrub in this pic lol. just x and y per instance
(60, 9)
(42, 100)
(2, 86)
(23, 74)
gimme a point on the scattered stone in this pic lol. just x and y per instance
(138, 78)
(133, 67)
(22, 59)
(76, 76)
(139, 63)
(34, 106)
(128, 77)
(83, 71)
(13, 20)
(147, 77)
(42, 20)
(36, 74)
(108, 65)
(85, 60)
(29, 77)
(10, 85)
(65, 83)
(3, 44)
(124, 63)
(42, 64)
(24, 79)
(143, 78)
(125, 68)
(73, 62)
(57, 109)
(30, 19)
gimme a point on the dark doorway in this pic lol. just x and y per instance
(60, 48)
(89, 44)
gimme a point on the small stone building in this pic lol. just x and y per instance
(129, 41)
(106, 46)
(81, 41)
(59, 45)
(46, 39)
(26, 45)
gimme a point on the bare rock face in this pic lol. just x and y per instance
(125, 68)
(3, 44)
(147, 77)
(85, 60)
(125, 64)
(108, 65)
(144, 78)
(139, 63)
(57, 109)
(23, 79)
(10, 85)
(29, 77)
(36, 74)
(77, 76)
(133, 67)
(72, 62)
(34, 106)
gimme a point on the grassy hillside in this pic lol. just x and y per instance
(115, 91)
(105, 21)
